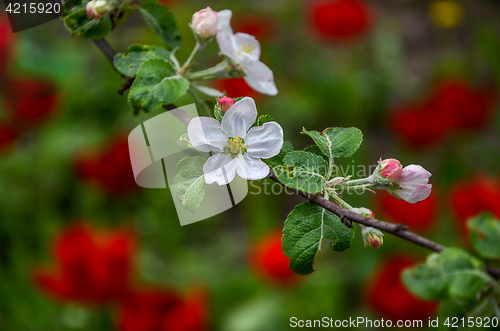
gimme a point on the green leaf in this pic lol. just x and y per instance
(451, 274)
(485, 236)
(264, 119)
(189, 182)
(278, 159)
(128, 63)
(79, 23)
(337, 142)
(302, 170)
(161, 20)
(156, 84)
(305, 228)
(184, 139)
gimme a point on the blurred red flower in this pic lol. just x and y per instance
(387, 295)
(472, 197)
(6, 40)
(7, 136)
(419, 217)
(92, 267)
(236, 87)
(111, 169)
(270, 263)
(453, 105)
(340, 20)
(259, 26)
(30, 101)
(163, 310)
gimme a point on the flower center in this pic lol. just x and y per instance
(246, 49)
(235, 147)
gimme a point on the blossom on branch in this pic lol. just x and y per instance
(237, 147)
(97, 8)
(204, 23)
(244, 50)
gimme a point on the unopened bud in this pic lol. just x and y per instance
(97, 8)
(372, 238)
(225, 103)
(391, 169)
(204, 23)
(364, 211)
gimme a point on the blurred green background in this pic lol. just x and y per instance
(395, 61)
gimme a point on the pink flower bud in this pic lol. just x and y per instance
(372, 238)
(97, 8)
(225, 103)
(204, 23)
(391, 169)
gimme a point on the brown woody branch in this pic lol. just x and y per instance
(347, 216)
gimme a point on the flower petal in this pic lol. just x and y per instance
(255, 68)
(239, 118)
(246, 44)
(259, 77)
(206, 135)
(250, 168)
(264, 141)
(224, 20)
(414, 174)
(220, 168)
(226, 45)
(413, 193)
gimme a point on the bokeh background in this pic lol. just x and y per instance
(420, 78)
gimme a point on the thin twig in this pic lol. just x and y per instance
(347, 216)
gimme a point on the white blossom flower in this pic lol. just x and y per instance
(413, 185)
(236, 147)
(244, 49)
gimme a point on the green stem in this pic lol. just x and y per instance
(360, 181)
(222, 70)
(201, 103)
(355, 187)
(186, 65)
(341, 202)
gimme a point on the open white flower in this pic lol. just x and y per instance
(244, 49)
(413, 184)
(237, 148)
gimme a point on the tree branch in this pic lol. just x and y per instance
(345, 215)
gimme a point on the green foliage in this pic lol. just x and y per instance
(485, 236)
(217, 112)
(189, 182)
(303, 170)
(305, 228)
(452, 274)
(156, 84)
(264, 119)
(129, 63)
(337, 142)
(278, 159)
(161, 20)
(78, 23)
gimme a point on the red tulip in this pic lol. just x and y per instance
(111, 169)
(340, 20)
(30, 101)
(468, 109)
(421, 126)
(7, 136)
(270, 263)
(420, 216)
(387, 295)
(6, 41)
(261, 27)
(162, 310)
(91, 267)
(236, 87)
(453, 105)
(472, 197)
